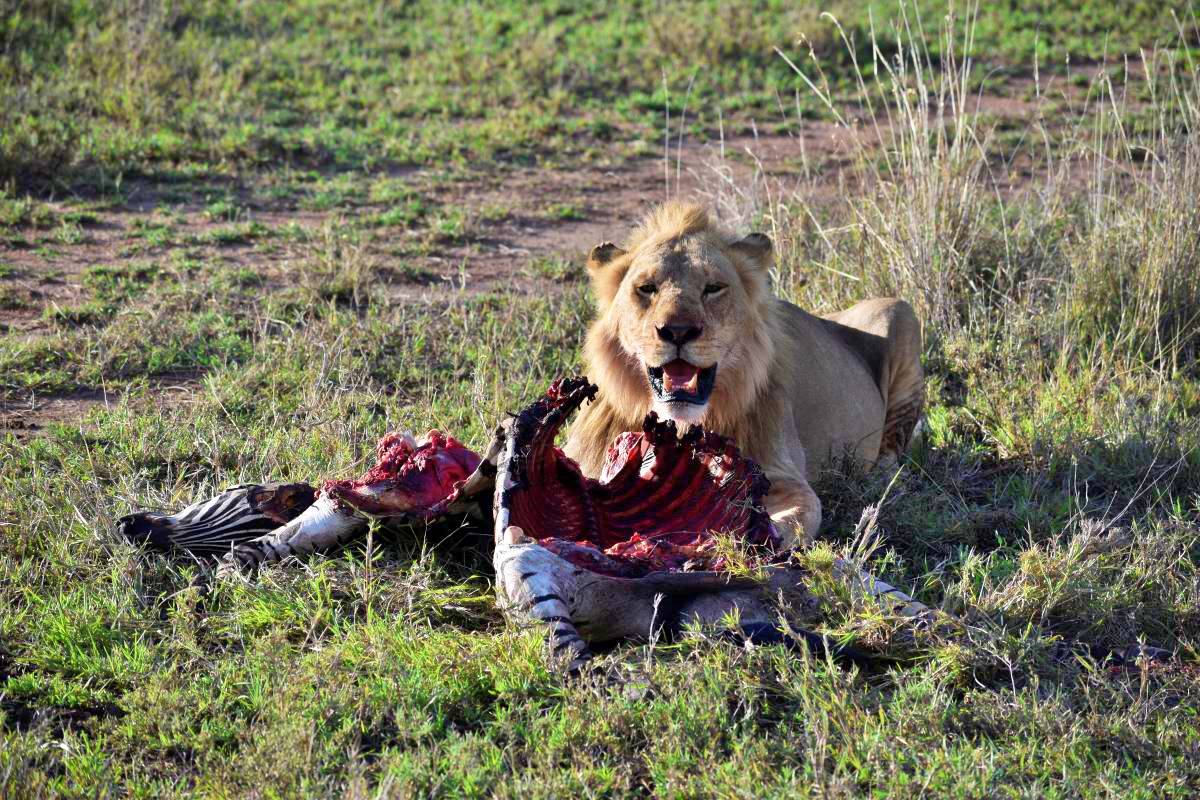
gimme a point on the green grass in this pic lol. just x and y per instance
(558, 270)
(403, 674)
(317, 82)
(1052, 503)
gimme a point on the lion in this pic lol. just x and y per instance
(687, 327)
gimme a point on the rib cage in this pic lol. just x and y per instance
(658, 501)
(658, 492)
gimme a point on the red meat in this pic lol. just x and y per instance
(410, 477)
(657, 505)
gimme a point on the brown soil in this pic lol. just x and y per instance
(29, 415)
(28, 418)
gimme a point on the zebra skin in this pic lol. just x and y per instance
(537, 584)
(218, 525)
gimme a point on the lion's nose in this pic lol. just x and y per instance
(679, 335)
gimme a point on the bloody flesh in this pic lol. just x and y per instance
(657, 505)
(659, 500)
(410, 477)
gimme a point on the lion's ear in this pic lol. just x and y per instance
(602, 254)
(606, 278)
(756, 248)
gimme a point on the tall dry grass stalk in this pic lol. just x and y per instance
(1135, 270)
(917, 141)
(1101, 246)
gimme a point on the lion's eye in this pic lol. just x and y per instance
(647, 289)
(713, 289)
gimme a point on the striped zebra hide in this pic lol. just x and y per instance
(213, 527)
(633, 554)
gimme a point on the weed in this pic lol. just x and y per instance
(450, 225)
(415, 273)
(553, 269)
(239, 278)
(223, 209)
(93, 312)
(154, 232)
(404, 215)
(340, 271)
(11, 298)
(565, 211)
(233, 234)
(81, 218)
(120, 282)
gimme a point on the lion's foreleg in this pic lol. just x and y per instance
(796, 511)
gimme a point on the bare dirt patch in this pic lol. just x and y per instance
(30, 417)
(523, 229)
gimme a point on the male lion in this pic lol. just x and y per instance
(688, 327)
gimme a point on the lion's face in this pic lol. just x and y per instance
(680, 324)
(682, 306)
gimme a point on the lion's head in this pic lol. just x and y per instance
(685, 322)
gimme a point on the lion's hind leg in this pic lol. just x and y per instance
(893, 350)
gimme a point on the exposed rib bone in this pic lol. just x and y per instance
(536, 584)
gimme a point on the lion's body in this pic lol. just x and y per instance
(792, 389)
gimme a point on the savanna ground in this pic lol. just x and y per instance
(240, 241)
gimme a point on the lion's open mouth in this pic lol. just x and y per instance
(680, 382)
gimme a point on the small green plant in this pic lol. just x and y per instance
(69, 234)
(238, 233)
(450, 225)
(239, 278)
(116, 283)
(93, 312)
(80, 217)
(11, 298)
(415, 273)
(340, 270)
(553, 269)
(223, 209)
(565, 211)
(24, 212)
(404, 215)
(154, 231)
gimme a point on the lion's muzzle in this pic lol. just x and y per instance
(681, 382)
